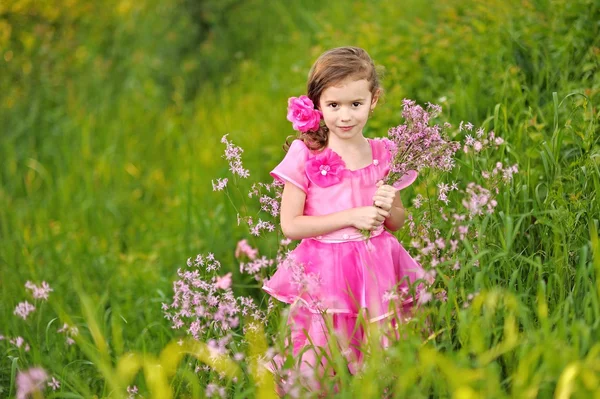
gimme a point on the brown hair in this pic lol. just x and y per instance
(331, 68)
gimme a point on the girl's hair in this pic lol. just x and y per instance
(330, 69)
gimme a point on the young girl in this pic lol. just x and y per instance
(333, 190)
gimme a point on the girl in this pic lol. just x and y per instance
(333, 189)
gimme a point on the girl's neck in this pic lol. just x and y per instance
(355, 153)
(356, 144)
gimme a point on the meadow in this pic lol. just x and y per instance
(111, 120)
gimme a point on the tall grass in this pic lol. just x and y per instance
(111, 117)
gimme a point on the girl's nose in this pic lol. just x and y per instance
(345, 115)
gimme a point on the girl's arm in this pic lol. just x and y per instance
(389, 199)
(397, 214)
(297, 226)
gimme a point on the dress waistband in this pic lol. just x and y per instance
(347, 234)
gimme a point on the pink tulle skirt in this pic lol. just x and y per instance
(373, 278)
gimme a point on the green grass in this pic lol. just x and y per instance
(111, 119)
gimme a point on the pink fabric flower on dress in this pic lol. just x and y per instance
(325, 169)
(303, 115)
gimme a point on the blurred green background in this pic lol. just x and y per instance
(111, 114)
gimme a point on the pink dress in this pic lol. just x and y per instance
(340, 273)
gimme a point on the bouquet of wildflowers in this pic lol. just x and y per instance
(415, 145)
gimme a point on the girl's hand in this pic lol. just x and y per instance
(384, 196)
(368, 217)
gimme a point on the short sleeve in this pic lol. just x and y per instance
(386, 148)
(292, 167)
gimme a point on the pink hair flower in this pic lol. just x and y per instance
(303, 115)
(325, 169)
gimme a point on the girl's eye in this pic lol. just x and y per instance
(356, 104)
(333, 105)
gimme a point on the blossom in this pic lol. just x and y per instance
(418, 201)
(270, 205)
(20, 342)
(23, 309)
(303, 115)
(220, 185)
(70, 331)
(325, 169)
(54, 384)
(424, 297)
(390, 295)
(478, 199)
(132, 391)
(415, 145)
(256, 265)
(213, 389)
(262, 225)
(30, 381)
(223, 282)
(203, 305)
(233, 154)
(442, 296)
(243, 248)
(41, 292)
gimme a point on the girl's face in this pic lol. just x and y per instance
(346, 107)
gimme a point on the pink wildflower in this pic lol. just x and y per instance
(262, 225)
(223, 282)
(270, 205)
(20, 342)
(69, 331)
(424, 297)
(442, 296)
(256, 265)
(213, 389)
(30, 381)
(132, 391)
(220, 185)
(418, 201)
(453, 245)
(23, 309)
(54, 384)
(390, 295)
(39, 292)
(415, 145)
(243, 248)
(233, 154)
